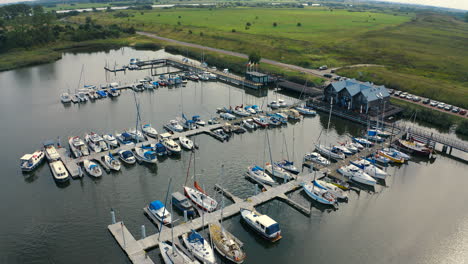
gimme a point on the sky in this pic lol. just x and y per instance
(458, 4)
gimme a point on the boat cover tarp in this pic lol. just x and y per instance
(92, 166)
(257, 168)
(194, 237)
(126, 136)
(127, 154)
(372, 133)
(101, 93)
(156, 205)
(149, 154)
(146, 147)
(287, 162)
(196, 117)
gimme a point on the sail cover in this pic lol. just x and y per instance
(194, 237)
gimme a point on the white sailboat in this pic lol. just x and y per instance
(356, 174)
(199, 247)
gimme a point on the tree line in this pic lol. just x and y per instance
(25, 26)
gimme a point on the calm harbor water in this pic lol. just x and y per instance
(419, 215)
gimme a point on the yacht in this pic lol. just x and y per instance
(145, 155)
(125, 139)
(201, 199)
(172, 255)
(51, 152)
(356, 174)
(78, 147)
(332, 188)
(112, 162)
(186, 143)
(370, 168)
(262, 224)
(319, 194)
(111, 140)
(288, 165)
(127, 156)
(30, 162)
(171, 146)
(278, 172)
(96, 142)
(282, 103)
(249, 124)
(174, 126)
(316, 158)
(58, 171)
(149, 130)
(258, 174)
(329, 152)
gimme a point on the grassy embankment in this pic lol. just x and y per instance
(425, 49)
(432, 117)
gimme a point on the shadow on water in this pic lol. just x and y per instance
(314, 204)
(62, 185)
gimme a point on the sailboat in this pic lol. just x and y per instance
(199, 247)
(329, 152)
(318, 194)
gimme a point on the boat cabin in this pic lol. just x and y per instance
(265, 224)
(182, 203)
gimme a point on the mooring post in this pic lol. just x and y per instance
(185, 216)
(143, 231)
(256, 189)
(113, 216)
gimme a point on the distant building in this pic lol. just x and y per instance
(355, 95)
(257, 77)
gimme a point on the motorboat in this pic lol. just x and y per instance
(278, 172)
(329, 152)
(414, 147)
(172, 255)
(30, 162)
(342, 149)
(136, 135)
(226, 243)
(374, 138)
(125, 139)
(58, 171)
(145, 154)
(160, 149)
(258, 174)
(238, 129)
(261, 121)
(96, 142)
(364, 142)
(201, 199)
(274, 105)
(227, 116)
(262, 224)
(380, 133)
(74, 99)
(78, 147)
(171, 145)
(288, 165)
(273, 121)
(281, 117)
(370, 168)
(333, 189)
(111, 140)
(183, 204)
(186, 143)
(282, 103)
(213, 121)
(50, 151)
(112, 162)
(356, 174)
(112, 92)
(174, 126)
(319, 194)
(316, 158)
(92, 168)
(160, 212)
(240, 111)
(127, 156)
(65, 98)
(82, 97)
(149, 130)
(198, 121)
(305, 111)
(220, 134)
(391, 156)
(397, 153)
(292, 114)
(249, 124)
(250, 110)
(199, 247)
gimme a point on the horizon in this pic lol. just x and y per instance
(453, 4)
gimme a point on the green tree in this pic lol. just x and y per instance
(299, 24)
(275, 24)
(466, 17)
(254, 57)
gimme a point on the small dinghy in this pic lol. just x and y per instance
(145, 154)
(30, 162)
(127, 156)
(262, 224)
(258, 174)
(199, 247)
(111, 140)
(186, 143)
(288, 165)
(318, 194)
(112, 162)
(149, 130)
(172, 255)
(92, 168)
(278, 172)
(226, 244)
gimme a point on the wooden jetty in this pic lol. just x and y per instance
(138, 247)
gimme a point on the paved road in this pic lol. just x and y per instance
(429, 106)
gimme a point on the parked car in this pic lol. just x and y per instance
(323, 67)
(332, 71)
(416, 99)
(462, 112)
(337, 78)
(409, 97)
(426, 101)
(390, 91)
(327, 75)
(448, 107)
(434, 103)
(455, 110)
(441, 105)
(397, 93)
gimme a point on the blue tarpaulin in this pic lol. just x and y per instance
(156, 205)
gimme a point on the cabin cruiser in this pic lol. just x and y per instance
(82, 97)
(110, 140)
(149, 130)
(127, 156)
(65, 98)
(30, 162)
(125, 139)
(174, 126)
(318, 194)
(292, 114)
(160, 149)
(186, 143)
(183, 204)
(370, 168)
(278, 172)
(329, 152)
(171, 145)
(96, 142)
(220, 134)
(160, 212)
(414, 147)
(258, 174)
(199, 247)
(274, 105)
(240, 111)
(201, 199)
(364, 142)
(262, 224)
(78, 147)
(50, 151)
(249, 124)
(356, 174)
(197, 120)
(92, 168)
(316, 158)
(288, 165)
(58, 171)
(282, 103)
(227, 116)
(145, 154)
(112, 162)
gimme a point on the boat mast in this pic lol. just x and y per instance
(271, 156)
(164, 211)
